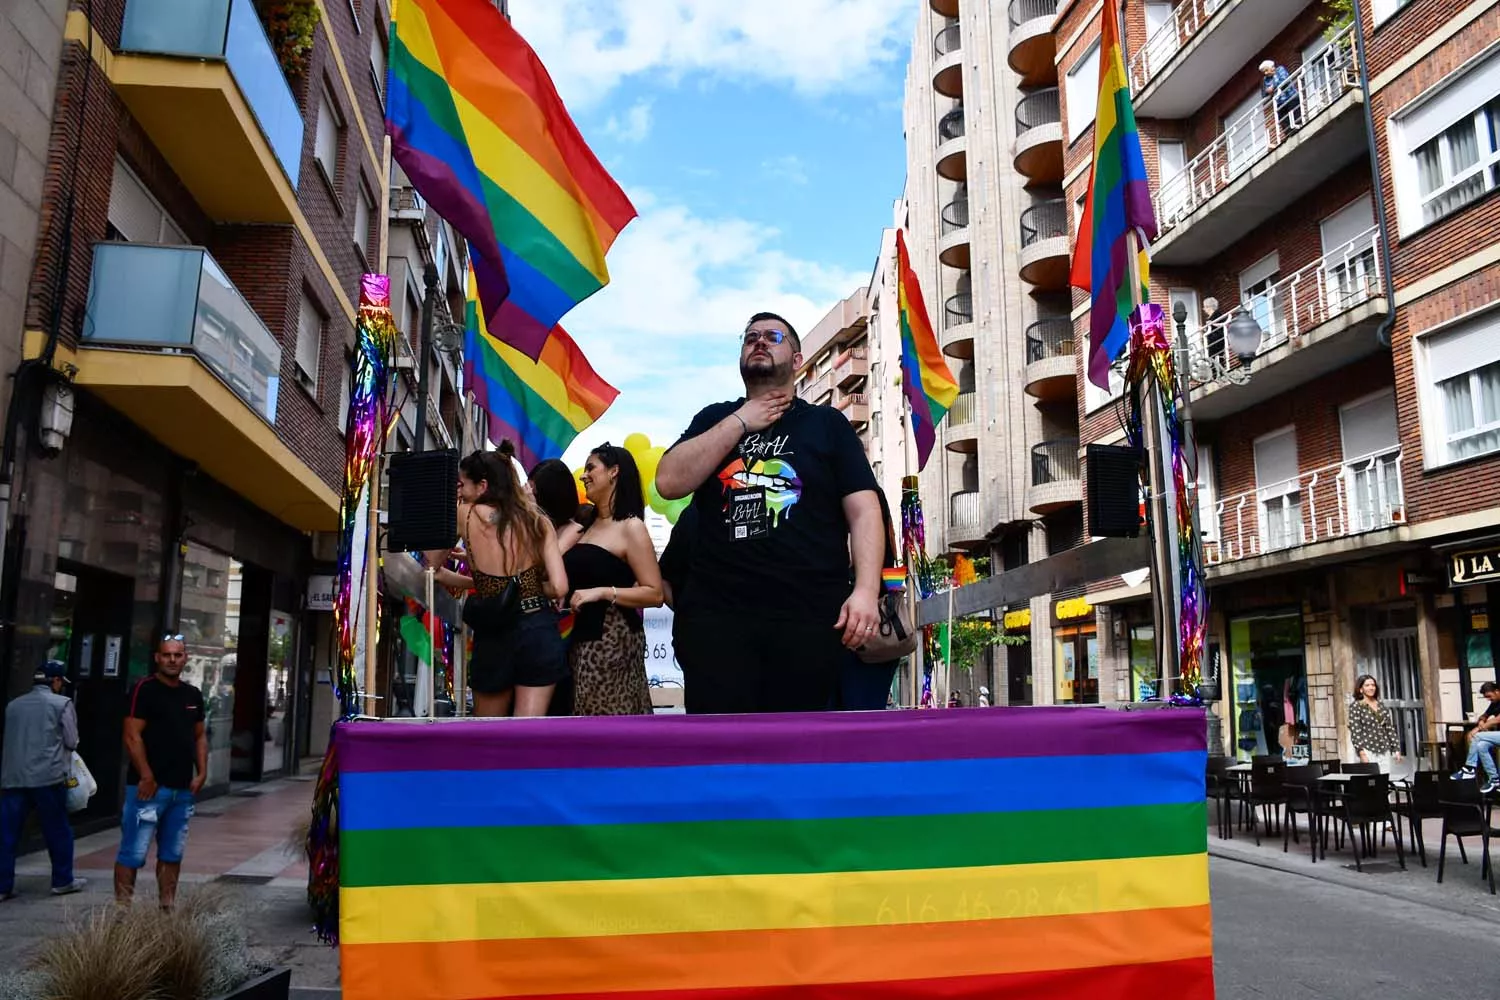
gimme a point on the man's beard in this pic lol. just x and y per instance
(759, 370)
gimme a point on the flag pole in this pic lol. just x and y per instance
(911, 563)
(1164, 605)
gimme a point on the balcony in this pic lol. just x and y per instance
(947, 8)
(851, 368)
(1055, 483)
(203, 81)
(1299, 518)
(408, 206)
(1051, 359)
(819, 389)
(958, 326)
(953, 147)
(953, 245)
(1039, 137)
(1033, 51)
(854, 405)
(1317, 320)
(1264, 161)
(170, 343)
(948, 61)
(966, 526)
(1044, 245)
(1198, 50)
(962, 424)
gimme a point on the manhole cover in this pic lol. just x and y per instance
(1376, 868)
(246, 879)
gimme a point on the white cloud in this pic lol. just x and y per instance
(590, 46)
(789, 169)
(664, 331)
(633, 126)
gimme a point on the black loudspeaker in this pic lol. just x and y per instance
(1114, 477)
(423, 501)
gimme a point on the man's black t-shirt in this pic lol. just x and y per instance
(677, 558)
(171, 713)
(772, 537)
(1492, 712)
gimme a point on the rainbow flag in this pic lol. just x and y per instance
(925, 376)
(964, 854)
(540, 405)
(1118, 203)
(477, 126)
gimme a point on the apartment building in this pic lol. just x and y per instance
(988, 224)
(1326, 250)
(210, 198)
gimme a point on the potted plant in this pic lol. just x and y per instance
(291, 26)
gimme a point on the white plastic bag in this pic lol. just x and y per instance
(81, 785)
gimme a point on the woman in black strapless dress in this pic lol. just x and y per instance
(614, 574)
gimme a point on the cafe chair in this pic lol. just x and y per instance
(1367, 803)
(1466, 814)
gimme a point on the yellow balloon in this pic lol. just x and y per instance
(583, 497)
(637, 444)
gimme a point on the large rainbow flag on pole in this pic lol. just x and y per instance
(1118, 204)
(926, 378)
(477, 125)
(965, 854)
(540, 405)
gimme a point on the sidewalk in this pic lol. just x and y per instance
(239, 839)
(1462, 890)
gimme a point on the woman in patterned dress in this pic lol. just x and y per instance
(614, 574)
(1371, 728)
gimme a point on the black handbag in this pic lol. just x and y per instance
(495, 613)
(895, 637)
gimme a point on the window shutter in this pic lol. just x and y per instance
(1276, 462)
(1369, 427)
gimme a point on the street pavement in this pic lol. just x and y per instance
(1283, 926)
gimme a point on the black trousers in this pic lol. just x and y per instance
(737, 664)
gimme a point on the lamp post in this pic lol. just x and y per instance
(1244, 335)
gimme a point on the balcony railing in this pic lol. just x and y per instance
(1040, 107)
(963, 409)
(955, 214)
(818, 387)
(1262, 130)
(1295, 306)
(951, 125)
(229, 31)
(177, 299)
(964, 509)
(949, 39)
(1187, 19)
(1052, 337)
(1332, 502)
(1022, 11)
(406, 203)
(1044, 221)
(1054, 461)
(959, 309)
(851, 366)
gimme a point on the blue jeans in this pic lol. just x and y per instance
(164, 816)
(864, 687)
(1481, 751)
(51, 805)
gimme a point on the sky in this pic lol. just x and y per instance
(761, 144)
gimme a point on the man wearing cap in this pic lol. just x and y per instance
(41, 732)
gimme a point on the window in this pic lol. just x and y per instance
(377, 63)
(1349, 254)
(1463, 368)
(1245, 132)
(1452, 142)
(329, 137)
(135, 216)
(1384, 9)
(1372, 460)
(1083, 92)
(362, 210)
(1208, 497)
(1094, 397)
(309, 343)
(1278, 490)
(345, 383)
(1173, 189)
(1258, 293)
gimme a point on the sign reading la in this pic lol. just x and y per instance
(1474, 566)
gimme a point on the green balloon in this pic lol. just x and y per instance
(676, 507)
(655, 501)
(416, 638)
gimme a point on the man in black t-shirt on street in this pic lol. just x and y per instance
(783, 494)
(168, 749)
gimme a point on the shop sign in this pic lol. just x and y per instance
(1474, 566)
(1073, 607)
(320, 590)
(1017, 619)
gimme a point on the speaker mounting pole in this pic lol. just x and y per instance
(424, 353)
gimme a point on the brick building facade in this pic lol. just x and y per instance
(1349, 463)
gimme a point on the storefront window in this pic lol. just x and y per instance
(281, 660)
(1269, 687)
(1145, 673)
(210, 625)
(1077, 667)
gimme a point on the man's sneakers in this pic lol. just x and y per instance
(1465, 773)
(67, 890)
(1491, 787)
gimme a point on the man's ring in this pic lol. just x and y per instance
(869, 628)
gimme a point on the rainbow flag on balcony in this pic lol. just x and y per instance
(477, 125)
(926, 379)
(1118, 204)
(539, 405)
(957, 855)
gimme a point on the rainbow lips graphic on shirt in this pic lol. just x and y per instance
(773, 476)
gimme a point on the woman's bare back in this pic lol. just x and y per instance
(488, 552)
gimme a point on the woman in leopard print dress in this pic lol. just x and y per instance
(614, 572)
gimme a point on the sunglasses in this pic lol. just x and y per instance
(768, 336)
(173, 637)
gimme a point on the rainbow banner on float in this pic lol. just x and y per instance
(1018, 853)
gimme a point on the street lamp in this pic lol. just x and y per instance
(1244, 336)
